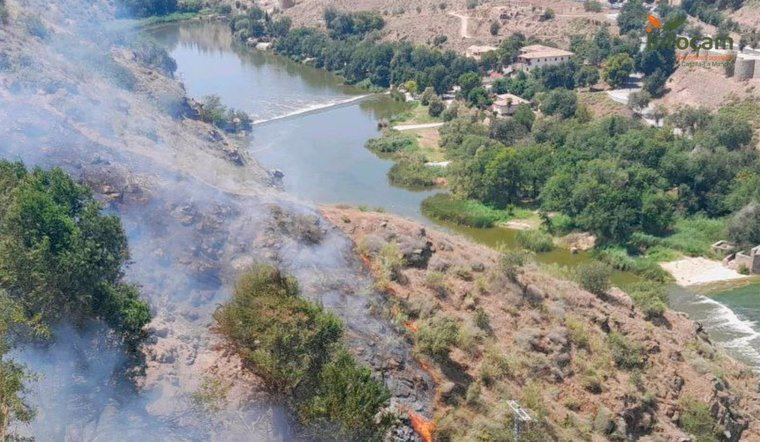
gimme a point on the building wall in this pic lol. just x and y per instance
(541, 62)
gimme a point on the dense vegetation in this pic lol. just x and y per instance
(350, 50)
(614, 177)
(60, 259)
(295, 347)
(145, 8)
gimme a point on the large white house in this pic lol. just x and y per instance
(539, 56)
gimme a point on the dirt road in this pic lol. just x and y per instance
(465, 24)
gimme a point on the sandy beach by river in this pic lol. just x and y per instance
(693, 271)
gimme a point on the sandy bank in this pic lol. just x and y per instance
(692, 271)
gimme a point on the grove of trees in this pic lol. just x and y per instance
(61, 259)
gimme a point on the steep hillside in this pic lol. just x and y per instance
(587, 367)
(462, 22)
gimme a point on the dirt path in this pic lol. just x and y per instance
(402, 127)
(465, 24)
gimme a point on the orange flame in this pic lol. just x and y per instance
(422, 426)
(654, 21)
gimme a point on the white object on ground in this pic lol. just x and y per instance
(692, 271)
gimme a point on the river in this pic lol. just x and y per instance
(313, 128)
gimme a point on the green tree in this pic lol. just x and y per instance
(744, 225)
(427, 95)
(560, 102)
(468, 82)
(632, 17)
(436, 107)
(60, 257)
(617, 69)
(587, 76)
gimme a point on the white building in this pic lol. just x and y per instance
(506, 104)
(539, 56)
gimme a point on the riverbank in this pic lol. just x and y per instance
(697, 270)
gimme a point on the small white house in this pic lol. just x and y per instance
(539, 56)
(506, 104)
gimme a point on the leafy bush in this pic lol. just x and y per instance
(560, 102)
(649, 297)
(60, 257)
(436, 107)
(744, 226)
(511, 261)
(535, 240)
(437, 335)
(412, 173)
(626, 354)
(346, 24)
(445, 207)
(294, 346)
(594, 277)
(230, 120)
(391, 142)
(283, 337)
(697, 420)
(346, 393)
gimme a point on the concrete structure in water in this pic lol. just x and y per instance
(741, 261)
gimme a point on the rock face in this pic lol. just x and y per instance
(588, 362)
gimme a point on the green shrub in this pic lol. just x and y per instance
(482, 319)
(577, 331)
(436, 281)
(283, 337)
(627, 355)
(697, 420)
(594, 277)
(649, 297)
(695, 235)
(391, 142)
(412, 173)
(60, 256)
(445, 207)
(437, 335)
(294, 347)
(212, 111)
(346, 393)
(535, 240)
(511, 261)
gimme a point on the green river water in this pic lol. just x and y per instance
(313, 129)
